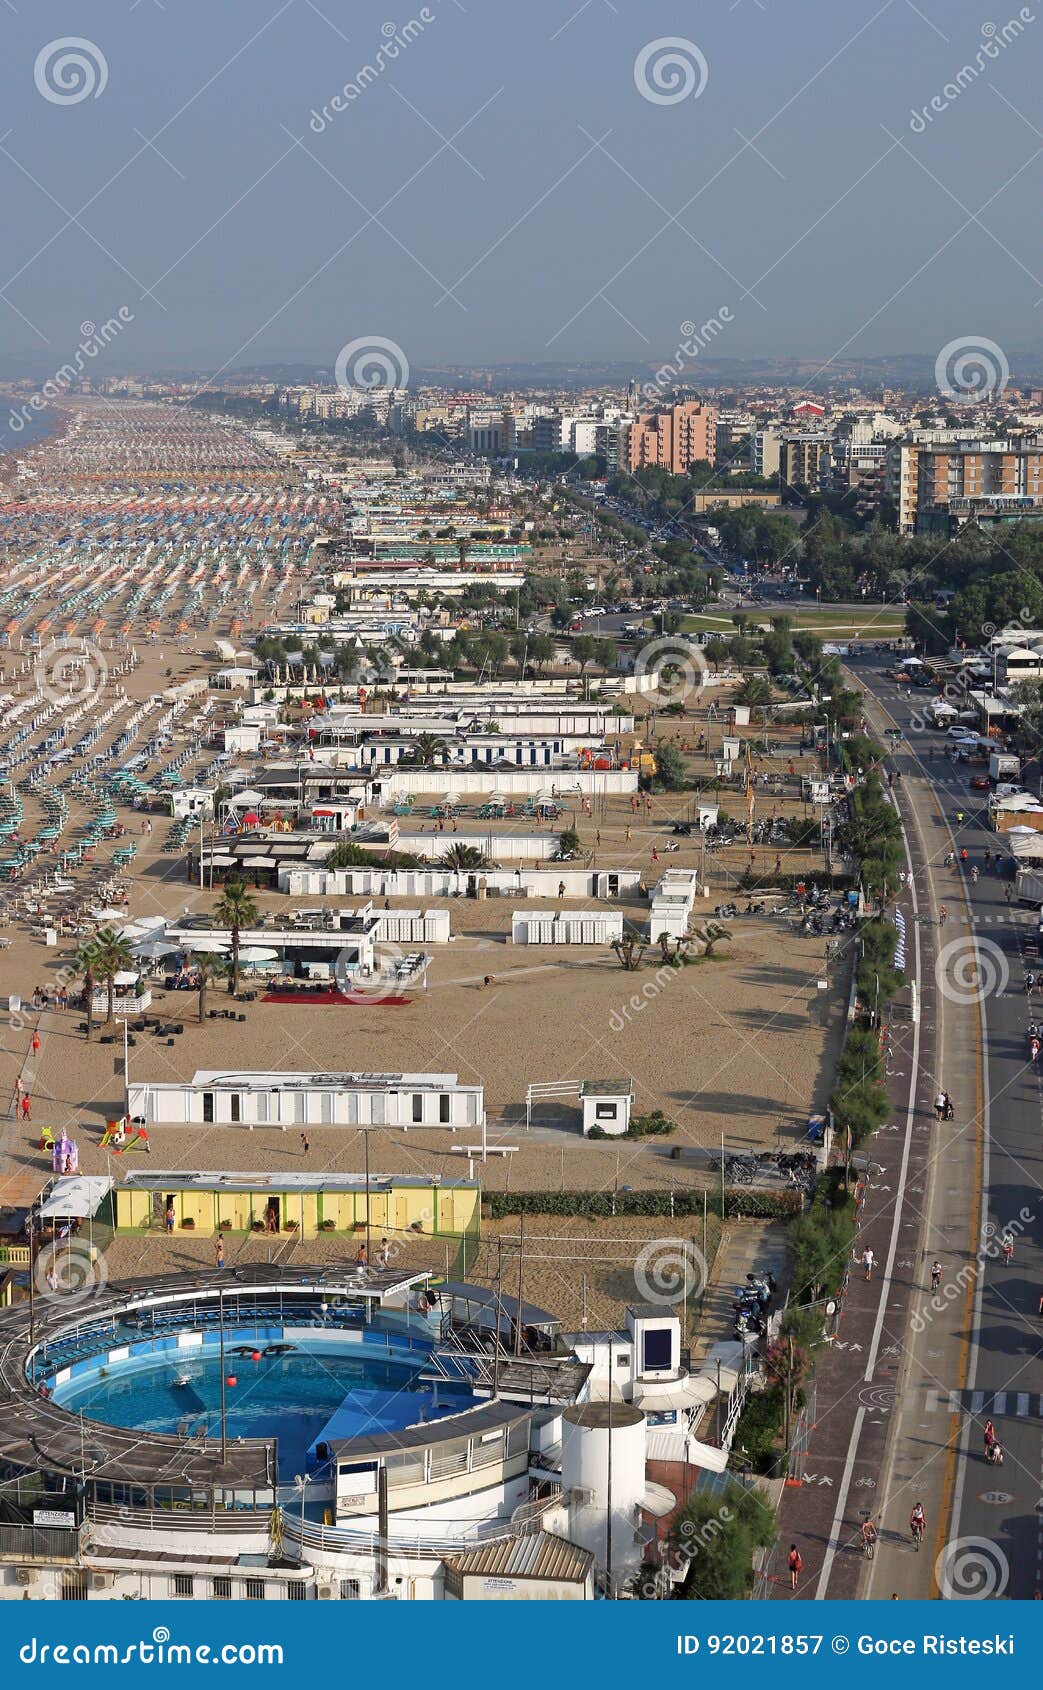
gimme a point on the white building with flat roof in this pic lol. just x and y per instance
(281, 1098)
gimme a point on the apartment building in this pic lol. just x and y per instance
(673, 438)
(805, 460)
(765, 451)
(941, 480)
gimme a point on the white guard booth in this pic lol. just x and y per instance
(607, 1104)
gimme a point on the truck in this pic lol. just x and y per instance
(1003, 765)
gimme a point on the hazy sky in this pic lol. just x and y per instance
(504, 189)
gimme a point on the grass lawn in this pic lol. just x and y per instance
(875, 622)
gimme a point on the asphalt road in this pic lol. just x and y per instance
(979, 1354)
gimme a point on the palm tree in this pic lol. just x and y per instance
(209, 968)
(755, 690)
(428, 749)
(465, 858)
(85, 958)
(235, 910)
(630, 952)
(710, 935)
(112, 955)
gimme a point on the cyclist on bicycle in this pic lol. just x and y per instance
(918, 1523)
(936, 1275)
(869, 1537)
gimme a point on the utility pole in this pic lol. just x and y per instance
(521, 1282)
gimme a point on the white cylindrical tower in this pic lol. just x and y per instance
(603, 1480)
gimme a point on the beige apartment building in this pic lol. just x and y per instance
(673, 438)
(930, 479)
(805, 460)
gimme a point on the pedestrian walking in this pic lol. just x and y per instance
(219, 1254)
(385, 1253)
(796, 1565)
(27, 1107)
(943, 915)
(868, 1262)
(305, 1145)
(1007, 1246)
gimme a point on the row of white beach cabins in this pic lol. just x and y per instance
(252, 1098)
(326, 942)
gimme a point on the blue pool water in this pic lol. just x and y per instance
(291, 1397)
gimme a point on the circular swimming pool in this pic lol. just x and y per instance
(301, 1391)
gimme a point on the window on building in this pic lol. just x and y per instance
(350, 1590)
(255, 1590)
(297, 1591)
(418, 1107)
(208, 1107)
(326, 1108)
(184, 1584)
(221, 1589)
(236, 1105)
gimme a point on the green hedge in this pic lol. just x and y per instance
(757, 1444)
(738, 1201)
(819, 1243)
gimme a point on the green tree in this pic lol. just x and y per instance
(235, 910)
(717, 1535)
(630, 951)
(671, 768)
(209, 968)
(541, 650)
(584, 650)
(427, 751)
(711, 935)
(755, 691)
(112, 956)
(465, 858)
(85, 958)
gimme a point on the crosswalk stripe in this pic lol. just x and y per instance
(984, 1405)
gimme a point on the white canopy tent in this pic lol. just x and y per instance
(76, 1197)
